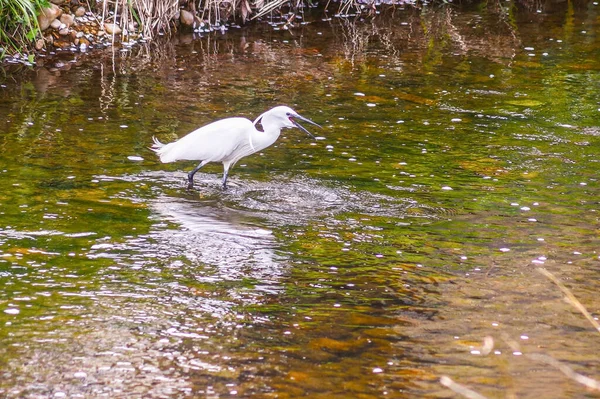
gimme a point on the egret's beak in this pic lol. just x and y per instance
(299, 126)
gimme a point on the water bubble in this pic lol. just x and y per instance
(359, 94)
(371, 105)
(504, 249)
(135, 158)
(377, 370)
(448, 188)
(11, 311)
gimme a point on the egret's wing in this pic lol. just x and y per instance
(214, 142)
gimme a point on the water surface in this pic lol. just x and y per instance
(459, 154)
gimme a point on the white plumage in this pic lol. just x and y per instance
(228, 140)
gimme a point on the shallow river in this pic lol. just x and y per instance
(459, 154)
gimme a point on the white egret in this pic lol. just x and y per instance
(229, 140)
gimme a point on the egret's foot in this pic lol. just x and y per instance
(190, 180)
(224, 186)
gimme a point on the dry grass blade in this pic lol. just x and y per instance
(566, 370)
(460, 389)
(570, 297)
(270, 6)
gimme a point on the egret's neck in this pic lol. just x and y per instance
(261, 140)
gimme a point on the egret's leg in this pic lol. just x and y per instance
(193, 172)
(225, 173)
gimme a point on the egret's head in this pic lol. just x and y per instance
(290, 118)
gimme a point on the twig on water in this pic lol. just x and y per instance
(571, 298)
(460, 389)
(566, 370)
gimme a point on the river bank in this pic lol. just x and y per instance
(75, 27)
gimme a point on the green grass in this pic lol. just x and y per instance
(18, 24)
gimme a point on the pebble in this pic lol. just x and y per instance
(80, 12)
(112, 29)
(55, 24)
(67, 19)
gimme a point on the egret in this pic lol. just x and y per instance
(229, 140)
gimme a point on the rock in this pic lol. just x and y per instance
(55, 24)
(80, 12)
(39, 44)
(57, 2)
(49, 39)
(67, 19)
(47, 15)
(83, 41)
(186, 18)
(63, 32)
(112, 29)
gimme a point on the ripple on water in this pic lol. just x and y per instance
(283, 200)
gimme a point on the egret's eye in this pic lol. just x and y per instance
(288, 114)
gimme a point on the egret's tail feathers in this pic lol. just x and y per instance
(161, 150)
(157, 145)
(164, 151)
